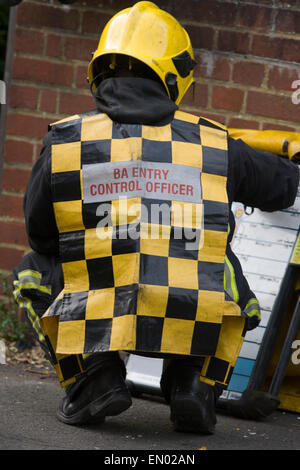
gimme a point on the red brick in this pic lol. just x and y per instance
(73, 104)
(48, 101)
(196, 95)
(214, 117)
(54, 16)
(248, 73)
(23, 96)
(212, 66)
(230, 99)
(79, 48)
(116, 4)
(27, 126)
(200, 94)
(11, 206)
(233, 41)
(15, 179)
(10, 258)
(18, 151)
(267, 126)
(54, 45)
(94, 21)
(288, 21)
(13, 233)
(267, 2)
(273, 106)
(43, 71)
(281, 78)
(276, 48)
(237, 123)
(212, 12)
(290, 5)
(202, 37)
(188, 99)
(29, 41)
(81, 77)
(252, 16)
(263, 47)
(38, 150)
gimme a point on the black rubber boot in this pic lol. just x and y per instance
(192, 403)
(101, 392)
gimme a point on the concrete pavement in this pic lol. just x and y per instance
(28, 403)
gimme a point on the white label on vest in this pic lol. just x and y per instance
(151, 180)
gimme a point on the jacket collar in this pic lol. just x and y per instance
(134, 100)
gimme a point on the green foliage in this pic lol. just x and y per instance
(4, 16)
(11, 327)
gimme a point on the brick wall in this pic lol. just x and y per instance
(247, 54)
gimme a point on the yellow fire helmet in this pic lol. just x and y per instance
(145, 33)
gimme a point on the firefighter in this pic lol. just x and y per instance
(128, 214)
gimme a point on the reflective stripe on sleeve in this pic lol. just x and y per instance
(26, 303)
(230, 286)
(252, 309)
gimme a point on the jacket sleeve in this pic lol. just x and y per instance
(40, 221)
(260, 179)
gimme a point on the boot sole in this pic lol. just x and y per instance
(110, 404)
(187, 416)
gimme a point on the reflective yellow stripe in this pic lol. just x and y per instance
(26, 303)
(251, 302)
(254, 313)
(29, 272)
(252, 308)
(229, 281)
(85, 355)
(32, 285)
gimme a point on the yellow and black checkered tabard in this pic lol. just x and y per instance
(125, 288)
